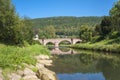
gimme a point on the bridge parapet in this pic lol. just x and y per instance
(58, 40)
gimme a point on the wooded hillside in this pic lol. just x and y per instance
(67, 26)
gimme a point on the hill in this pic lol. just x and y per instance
(66, 21)
(66, 25)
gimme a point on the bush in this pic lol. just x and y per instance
(97, 39)
(114, 34)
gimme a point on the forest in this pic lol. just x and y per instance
(52, 27)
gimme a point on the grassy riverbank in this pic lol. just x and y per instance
(112, 45)
(13, 57)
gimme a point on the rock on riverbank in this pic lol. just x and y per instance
(30, 72)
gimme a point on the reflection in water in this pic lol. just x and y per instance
(56, 50)
(87, 66)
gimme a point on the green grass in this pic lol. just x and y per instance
(104, 45)
(13, 57)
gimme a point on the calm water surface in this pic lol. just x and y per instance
(72, 64)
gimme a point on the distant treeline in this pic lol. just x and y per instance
(67, 26)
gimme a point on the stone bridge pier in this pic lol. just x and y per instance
(57, 41)
(56, 44)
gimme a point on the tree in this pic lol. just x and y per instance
(8, 21)
(27, 30)
(13, 30)
(85, 33)
(110, 24)
(49, 32)
(106, 26)
(115, 11)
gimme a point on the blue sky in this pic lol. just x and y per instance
(51, 8)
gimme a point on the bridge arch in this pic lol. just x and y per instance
(77, 42)
(65, 42)
(51, 43)
(57, 41)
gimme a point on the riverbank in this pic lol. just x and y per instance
(25, 63)
(33, 72)
(105, 45)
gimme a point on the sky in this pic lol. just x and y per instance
(54, 8)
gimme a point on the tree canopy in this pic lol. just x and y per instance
(13, 29)
(110, 25)
(65, 26)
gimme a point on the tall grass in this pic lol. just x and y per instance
(99, 46)
(13, 57)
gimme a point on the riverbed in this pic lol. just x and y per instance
(70, 64)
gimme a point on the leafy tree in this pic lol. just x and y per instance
(13, 30)
(115, 11)
(47, 32)
(27, 30)
(50, 31)
(85, 33)
(110, 25)
(9, 21)
(105, 26)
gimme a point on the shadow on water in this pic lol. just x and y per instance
(87, 65)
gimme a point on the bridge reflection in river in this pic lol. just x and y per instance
(57, 50)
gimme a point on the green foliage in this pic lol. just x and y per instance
(13, 30)
(13, 57)
(105, 27)
(47, 32)
(110, 25)
(96, 39)
(104, 45)
(114, 34)
(86, 33)
(27, 30)
(8, 21)
(115, 41)
(115, 11)
(64, 26)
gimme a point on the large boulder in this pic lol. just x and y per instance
(46, 62)
(39, 66)
(42, 57)
(46, 74)
(14, 76)
(29, 75)
(28, 71)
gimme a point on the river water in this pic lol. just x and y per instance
(72, 64)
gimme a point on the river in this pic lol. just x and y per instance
(72, 64)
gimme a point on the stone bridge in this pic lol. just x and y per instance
(57, 41)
